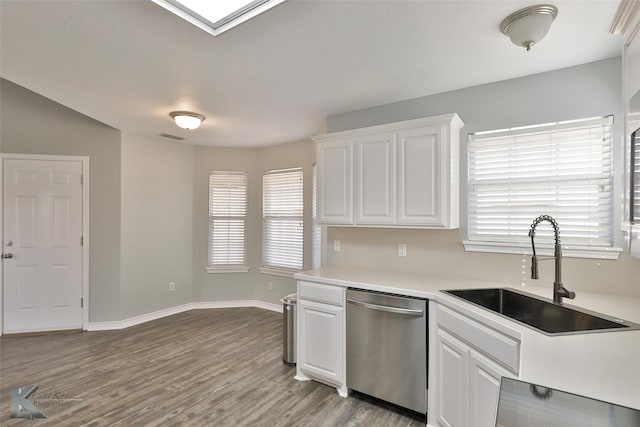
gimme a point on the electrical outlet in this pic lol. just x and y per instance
(270, 286)
(402, 249)
(336, 246)
(172, 286)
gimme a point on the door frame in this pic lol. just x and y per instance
(85, 225)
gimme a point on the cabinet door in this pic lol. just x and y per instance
(320, 351)
(484, 389)
(452, 389)
(375, 166)
(335, 182)
(421, 170)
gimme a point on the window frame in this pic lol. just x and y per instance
(631, 228)
(227, 268)
(475, 244)
(279, 270)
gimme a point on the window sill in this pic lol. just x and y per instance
(277, 271)
(569, 251)
(213, 269)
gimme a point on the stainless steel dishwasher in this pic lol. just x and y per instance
(387, 347)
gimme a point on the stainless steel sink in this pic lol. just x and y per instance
(540, 314)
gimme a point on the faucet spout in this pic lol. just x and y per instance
(559, 291)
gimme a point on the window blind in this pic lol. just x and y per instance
(282, 213)
(316, 232)
(562, 169)
(635, 177)
(227, 217)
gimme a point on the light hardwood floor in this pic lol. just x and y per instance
(213, 367)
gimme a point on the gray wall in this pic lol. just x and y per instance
(32, 124)
(583, 91)
(149, 207)
(131, 262)
(157, 224)
(223, 286)
(252, 285)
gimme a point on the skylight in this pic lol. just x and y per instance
(218, 16)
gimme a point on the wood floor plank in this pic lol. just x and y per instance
(219, 367)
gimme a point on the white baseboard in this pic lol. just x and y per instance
(269, 306)
(132, 321)
(238, 303)
(137, 320)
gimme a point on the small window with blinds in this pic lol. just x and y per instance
(282, 221)
(227, 222)
(562, 169)
(634, 199)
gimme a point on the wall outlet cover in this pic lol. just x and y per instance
(402, 249)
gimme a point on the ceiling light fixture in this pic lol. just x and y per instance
(526, 27)
(187, 119)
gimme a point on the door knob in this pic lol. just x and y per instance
(7, 256)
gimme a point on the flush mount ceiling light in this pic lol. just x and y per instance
(187, 119)
(526, 27)
(217, 16)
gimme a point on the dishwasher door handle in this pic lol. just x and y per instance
(389, 309)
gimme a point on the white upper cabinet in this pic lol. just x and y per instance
(335, 182)
(375, 166)
(401, 174)
(420, 177)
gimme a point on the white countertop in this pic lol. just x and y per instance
(602, 365)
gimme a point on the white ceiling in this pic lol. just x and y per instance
(276, 77)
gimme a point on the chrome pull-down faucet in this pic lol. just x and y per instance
(559, 291)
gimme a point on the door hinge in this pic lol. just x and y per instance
(81, 179)
(81, 240)
(81, 302)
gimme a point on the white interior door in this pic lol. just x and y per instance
(42, 248)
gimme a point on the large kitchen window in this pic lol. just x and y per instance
(316, 229)
(562, 169)
(282, 221)
(227, 222)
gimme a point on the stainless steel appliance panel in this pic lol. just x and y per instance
(523, 404)
(387, 347)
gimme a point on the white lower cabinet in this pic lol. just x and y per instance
(321, 326)
(484, 388)
(471, 358)
(453, 367)
(321, 334)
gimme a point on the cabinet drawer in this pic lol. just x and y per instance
(503, 349)
(322, 293)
